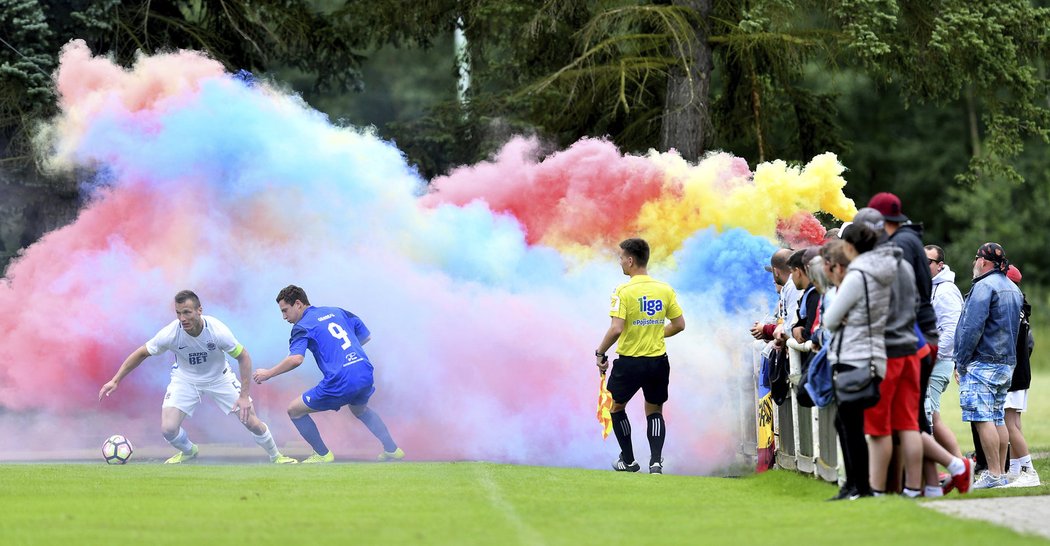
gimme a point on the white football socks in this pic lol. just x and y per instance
(181, 441)
(265, 441)
(956, 467)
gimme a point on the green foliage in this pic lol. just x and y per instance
(253, 36)
(242, 35)
(763, 107)
(25, 66)
(943, 102)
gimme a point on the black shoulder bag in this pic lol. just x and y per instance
(858, 386)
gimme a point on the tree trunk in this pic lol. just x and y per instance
(971, 121)
(686, 119)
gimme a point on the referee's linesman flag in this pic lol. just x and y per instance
(604, 405)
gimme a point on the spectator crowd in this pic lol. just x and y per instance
(883, 329)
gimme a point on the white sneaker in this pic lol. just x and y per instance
(988, 481)
(1011, 479)
(1027, 478)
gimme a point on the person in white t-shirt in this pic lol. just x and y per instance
(200, 344)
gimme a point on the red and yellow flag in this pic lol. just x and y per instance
(604, 405)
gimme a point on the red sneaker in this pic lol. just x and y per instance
(947, 486)
(964, 480)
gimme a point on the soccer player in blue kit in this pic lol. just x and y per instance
(335, 337)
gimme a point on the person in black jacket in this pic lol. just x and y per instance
(1021, 472)
(908, 236)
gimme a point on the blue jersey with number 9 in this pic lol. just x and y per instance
(334, 337)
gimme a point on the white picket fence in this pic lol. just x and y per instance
(805, 437)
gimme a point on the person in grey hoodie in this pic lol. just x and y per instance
(856, 320)
(898, 408)
(947, 303)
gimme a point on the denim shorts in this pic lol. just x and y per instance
(942, 374)
(982, 391)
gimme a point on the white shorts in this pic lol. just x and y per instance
(1017, 400)
(186, 395)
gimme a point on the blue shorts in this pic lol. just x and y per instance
(939, 378)
(319, 399)
(982, 392)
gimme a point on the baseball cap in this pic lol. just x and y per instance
(869, 216)
(889, 206)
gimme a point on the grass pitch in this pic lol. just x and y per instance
(446, 503)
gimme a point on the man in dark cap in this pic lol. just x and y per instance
(985, 356)
(908, 236)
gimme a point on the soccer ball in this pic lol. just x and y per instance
(116, 449)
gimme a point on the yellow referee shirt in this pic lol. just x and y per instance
(644, 304)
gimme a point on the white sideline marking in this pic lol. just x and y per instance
(526, 534)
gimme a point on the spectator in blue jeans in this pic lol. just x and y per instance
(985, 355)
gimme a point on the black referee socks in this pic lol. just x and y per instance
(656, 437)
(622, 427)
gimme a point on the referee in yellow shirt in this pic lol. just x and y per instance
(640, 309)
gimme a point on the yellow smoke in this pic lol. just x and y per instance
(708, 195)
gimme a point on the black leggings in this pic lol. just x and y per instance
(849, 423)
(926, 364)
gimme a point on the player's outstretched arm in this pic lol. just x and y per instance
(289, 363)
(130, 363)
(244, 404)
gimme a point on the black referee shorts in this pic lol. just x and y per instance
(630, 373)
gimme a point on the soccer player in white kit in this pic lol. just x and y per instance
(200, 343)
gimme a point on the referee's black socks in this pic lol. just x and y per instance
(622, 427)
(656, 437)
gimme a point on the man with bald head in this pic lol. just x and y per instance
(787, 305)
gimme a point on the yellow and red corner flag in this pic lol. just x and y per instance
(604, 405)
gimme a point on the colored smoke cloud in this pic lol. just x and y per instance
(486, 292)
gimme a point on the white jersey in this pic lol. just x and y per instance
(200, 359)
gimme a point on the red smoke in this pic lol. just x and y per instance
(801, 230)
(585, 193)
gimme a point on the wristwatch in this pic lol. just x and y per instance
(603, 356)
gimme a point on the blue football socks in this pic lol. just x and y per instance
(375, 424)
(308, 430)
